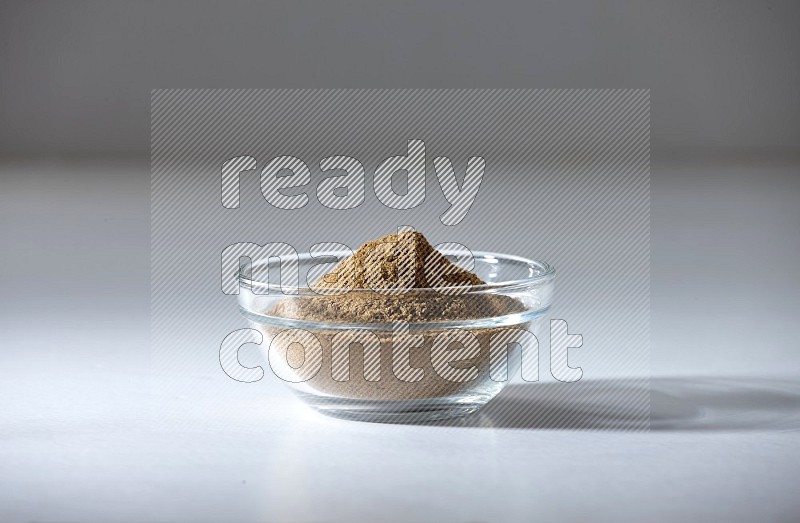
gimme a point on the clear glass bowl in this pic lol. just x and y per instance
(399, 356)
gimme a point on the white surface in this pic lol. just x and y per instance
(83, 439)
(81, 445)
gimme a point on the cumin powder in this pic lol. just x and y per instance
(399, 263)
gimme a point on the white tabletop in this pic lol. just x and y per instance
(86, 434)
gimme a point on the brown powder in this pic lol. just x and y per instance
(404, 263)
(404, 260)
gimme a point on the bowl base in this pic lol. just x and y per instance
(408, 411)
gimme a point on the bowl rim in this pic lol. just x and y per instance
(546, 273)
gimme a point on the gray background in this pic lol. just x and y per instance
(77, 75)
(75, 443)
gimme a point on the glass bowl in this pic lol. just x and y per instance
(399, 355)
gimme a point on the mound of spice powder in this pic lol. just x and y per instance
(386, 277)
